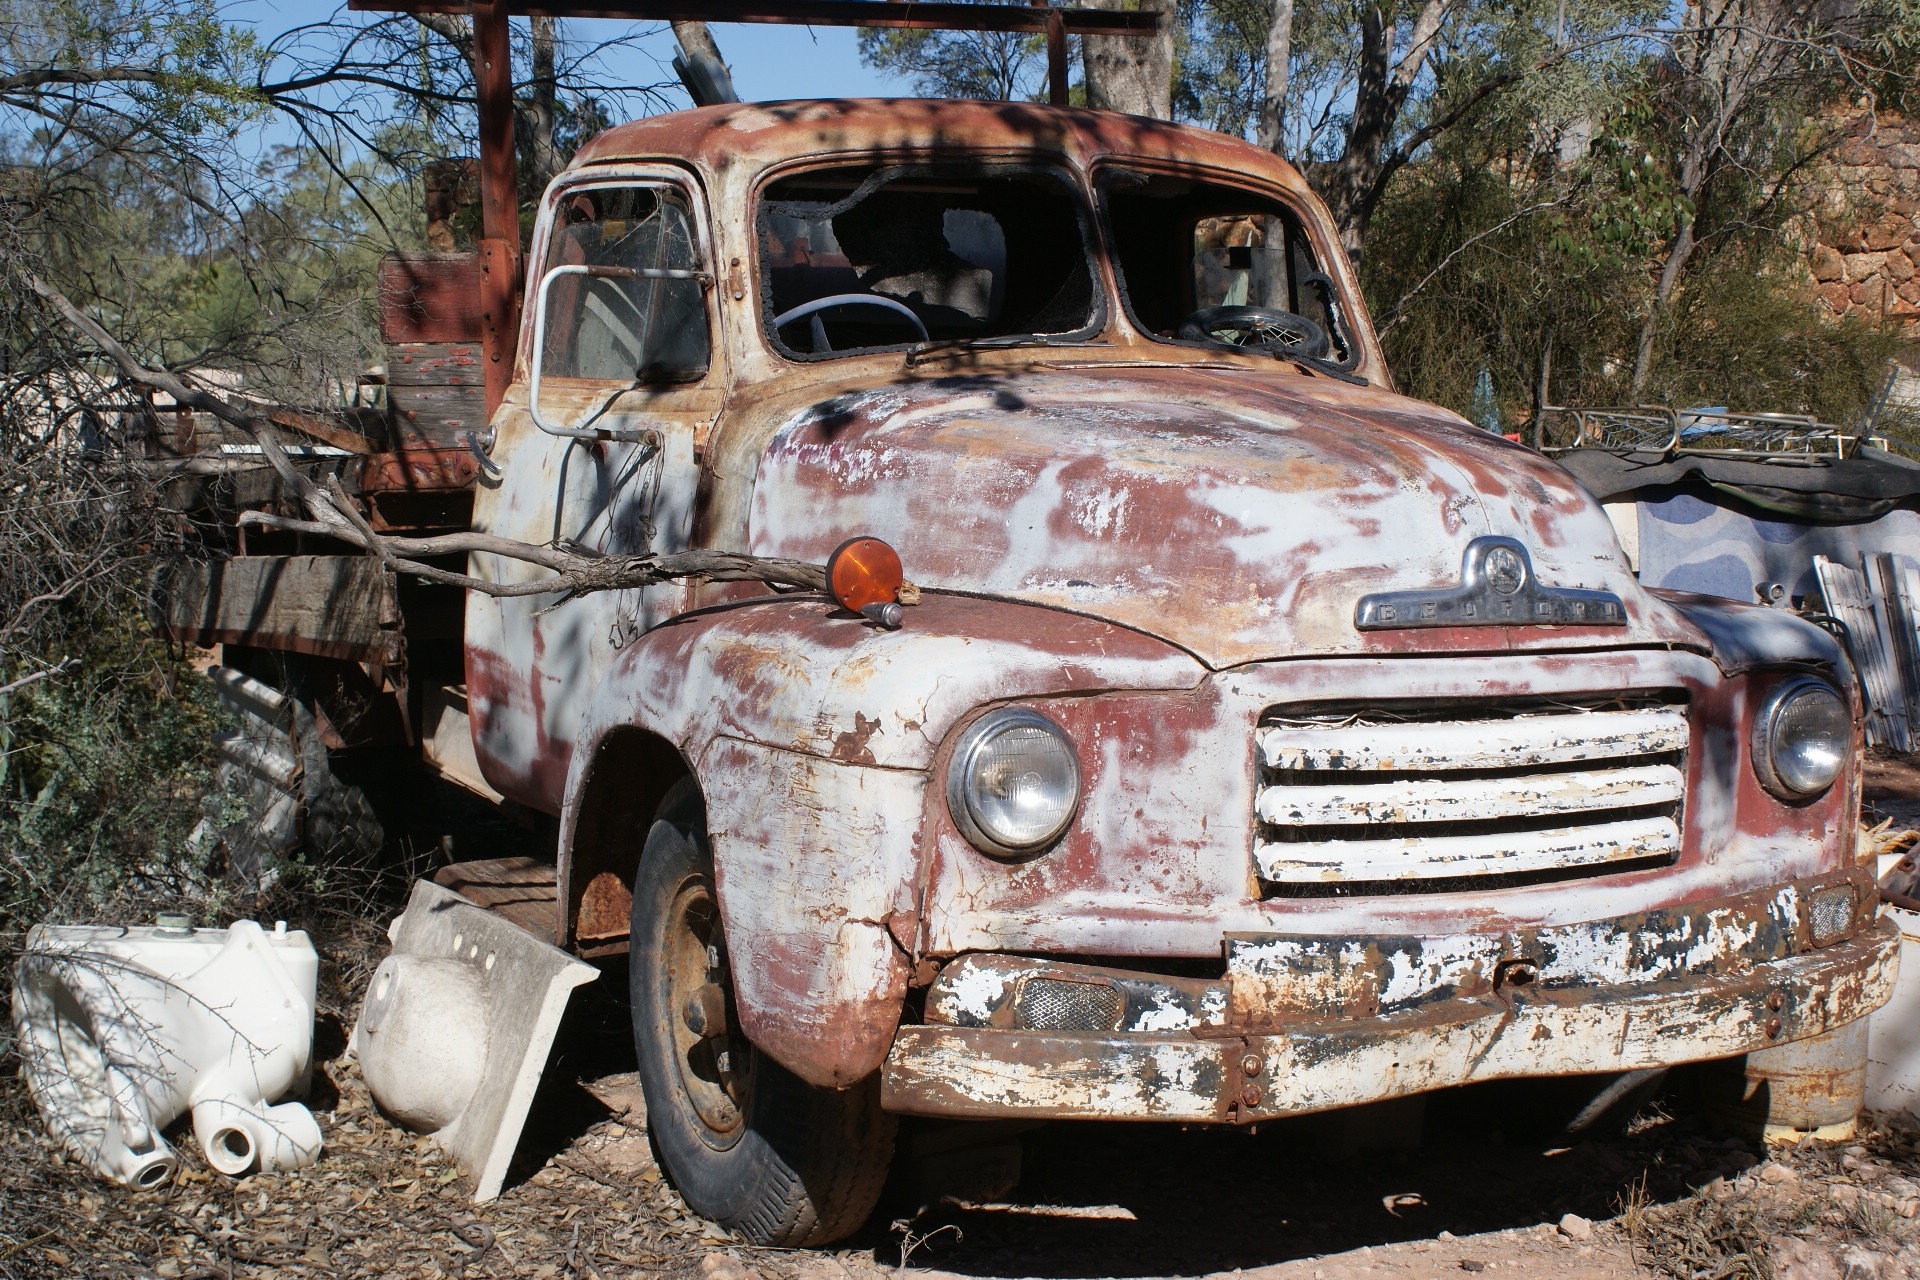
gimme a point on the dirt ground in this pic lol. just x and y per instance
(1472, 1181)
(1485, 1190)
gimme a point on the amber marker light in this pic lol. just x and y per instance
(864, 575)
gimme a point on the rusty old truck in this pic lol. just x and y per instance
(1261, 742)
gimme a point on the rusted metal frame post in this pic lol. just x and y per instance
(499, 200)
(1056, 55)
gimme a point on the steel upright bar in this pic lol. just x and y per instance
(499, 200)
(1056, 55)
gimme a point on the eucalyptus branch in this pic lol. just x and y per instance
(59, 668)
(1398, 312)
(42, 76)
(309, 495)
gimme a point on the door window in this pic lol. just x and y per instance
(640, 327)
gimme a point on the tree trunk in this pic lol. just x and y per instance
(1133, 74)
(1677, 255)
(1352, 185)
(700, 67)
(542, 109)
(696, 40)
(1273, 103)
(1731, 56)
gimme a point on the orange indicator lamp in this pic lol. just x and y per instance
(864, 575)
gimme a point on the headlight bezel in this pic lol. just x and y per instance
(1766, 739)
(966, 751)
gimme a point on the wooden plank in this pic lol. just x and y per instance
(326, 432)
(333, 606)
(439, 417)
(434, 364)
(430, 297)
(1850, 603)
(435, 391)
(519, 889)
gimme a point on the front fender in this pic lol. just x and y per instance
(810, 733)
(1744, 636)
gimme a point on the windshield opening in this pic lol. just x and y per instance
(1186, 248)
(862, 258)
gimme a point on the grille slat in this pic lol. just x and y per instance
(1444, 857)
(1383, 798)
(1475, 744)
(1472, 799)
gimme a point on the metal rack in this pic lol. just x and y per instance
(1662, 429)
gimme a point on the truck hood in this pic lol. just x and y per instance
(1241, 517)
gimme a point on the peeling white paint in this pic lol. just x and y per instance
(1444, 856)
(970, 995)
(1165, 1015)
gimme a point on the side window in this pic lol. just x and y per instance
(633, 322)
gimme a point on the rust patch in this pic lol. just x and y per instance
(606, 906)
(850, 747)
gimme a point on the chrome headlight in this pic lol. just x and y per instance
(1801, 739)
(1013, 782)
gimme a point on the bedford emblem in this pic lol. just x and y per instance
(1497, 589)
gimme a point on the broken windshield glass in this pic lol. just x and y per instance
(858, 258)
(1206, 262)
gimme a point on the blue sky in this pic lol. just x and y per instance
(767, 61)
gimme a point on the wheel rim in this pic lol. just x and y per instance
(715, 1068)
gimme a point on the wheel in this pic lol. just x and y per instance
(748, 1144)
(1257, 329)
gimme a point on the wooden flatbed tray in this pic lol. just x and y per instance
(519, 889)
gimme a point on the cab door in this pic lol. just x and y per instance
(620, 380)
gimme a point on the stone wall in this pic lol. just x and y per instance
(1866, 249)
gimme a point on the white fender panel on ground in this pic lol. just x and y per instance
(124, 1029)
(457, 1024)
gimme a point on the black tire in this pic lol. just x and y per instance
(748, 1144)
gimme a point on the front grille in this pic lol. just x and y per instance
(1425, 797)
(1047, 1004)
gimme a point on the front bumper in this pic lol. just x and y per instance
(1231, 1063)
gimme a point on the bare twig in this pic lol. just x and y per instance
(1399, 308)
(59, 668)
(576, 571)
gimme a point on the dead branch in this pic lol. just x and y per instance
(59, 668)
(575, 570)
(309, 494)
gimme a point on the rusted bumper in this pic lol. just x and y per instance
(1221, 1073)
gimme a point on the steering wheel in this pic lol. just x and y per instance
(1257, 329)
(818, 305)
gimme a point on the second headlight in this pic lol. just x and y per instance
(1801, 739)
(1013, 783)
